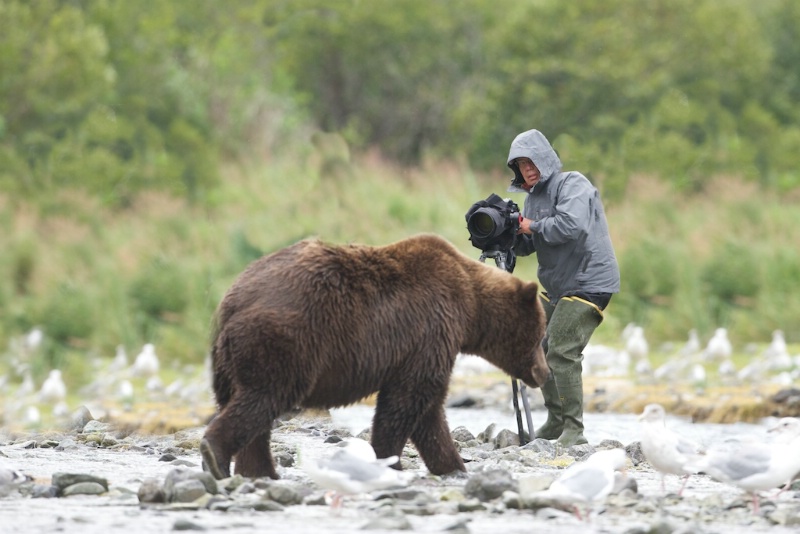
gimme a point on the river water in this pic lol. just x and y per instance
(126, 469)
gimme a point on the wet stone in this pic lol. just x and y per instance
(187, 491)
(64, 480)
(151, 491)
(462, 434)
(284, 459)
(512, 500)
(660, 527)
(179, 475)
(490, 484)
(471, 505)
(634, 452)
(506, 438)
(41, 491)
(315, 499)
(231, 483)
(267, 506)
(487, 435)
(405, 494)
(185, 524)
(179, 462)
(83, 488)
(79, 419)
(464, 400)
(390, 519)
(284, 495)
(66, 444)
(96, 427)
(540, 445)
(531, 484)
(452, 494)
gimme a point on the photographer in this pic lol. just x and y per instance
(565, 225)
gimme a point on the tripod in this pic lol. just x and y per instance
(506, 260)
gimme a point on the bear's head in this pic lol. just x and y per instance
(511, 324)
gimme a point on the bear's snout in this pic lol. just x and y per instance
(540, 370)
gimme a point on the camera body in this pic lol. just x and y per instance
(493, 224)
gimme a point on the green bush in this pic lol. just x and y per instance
(67, 315)
(160, 289)
(732, 274)
(650, 270)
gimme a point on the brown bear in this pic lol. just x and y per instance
(316, 325)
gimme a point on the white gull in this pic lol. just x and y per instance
(664, 449)
(353, 468)
(755, 466)
(587, 482)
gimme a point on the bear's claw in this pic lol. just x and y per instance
(210, 460)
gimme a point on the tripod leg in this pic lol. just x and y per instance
(514, 392)
(523, 392)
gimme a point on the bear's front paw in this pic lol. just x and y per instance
(210, 463)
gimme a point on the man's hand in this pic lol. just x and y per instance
(525, 226)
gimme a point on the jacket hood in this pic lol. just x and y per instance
(534, 145)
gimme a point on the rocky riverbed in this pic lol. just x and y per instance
(96, 478)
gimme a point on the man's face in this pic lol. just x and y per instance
(530, 173)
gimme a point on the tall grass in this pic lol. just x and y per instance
(94, 277)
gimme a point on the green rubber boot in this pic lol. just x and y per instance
(572, 324)
(552, 428)
(554, 425)
(572, 401)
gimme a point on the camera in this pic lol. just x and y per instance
(493, 223)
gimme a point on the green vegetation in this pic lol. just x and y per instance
(147, 155)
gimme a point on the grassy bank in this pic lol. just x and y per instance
(93, 277)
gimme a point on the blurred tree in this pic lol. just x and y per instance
(614, 76)
(383, 73)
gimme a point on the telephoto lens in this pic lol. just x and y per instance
(486, 223)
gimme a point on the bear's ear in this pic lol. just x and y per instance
(530, 291)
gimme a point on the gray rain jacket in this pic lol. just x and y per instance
(570, 231)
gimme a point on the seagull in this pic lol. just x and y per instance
(752, 465)
(692, 345)
(636, 344)
(33, 339)
(727, 369)
(719, 346)
(32, 417)
(125, 394)
(784, 432)
(588, 481)
(353, 469)
(120, 360)
(776, 355)
(666, 451)
(697, 375)
(53, 389)
(146, 363)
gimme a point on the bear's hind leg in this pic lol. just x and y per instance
(254, 460)
(239, 430)
(432, 438)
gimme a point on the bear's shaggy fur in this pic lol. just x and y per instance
(320, 326)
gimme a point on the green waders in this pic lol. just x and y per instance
(570, 325)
